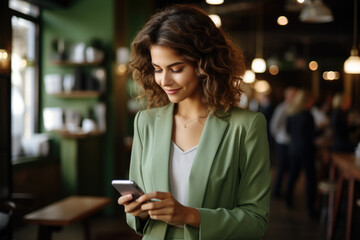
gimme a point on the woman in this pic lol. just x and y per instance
(202, 162)
(300, 126)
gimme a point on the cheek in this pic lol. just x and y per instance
(189, 79)
(157, 80)
(194, 82)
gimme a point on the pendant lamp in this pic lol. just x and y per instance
(214, 2)
(352, 64)
(249, 76)
(316, 11)
(216, 19)
(258, 65)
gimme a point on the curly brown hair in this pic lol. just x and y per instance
(193, 35)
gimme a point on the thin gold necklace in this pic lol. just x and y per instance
(187, 122)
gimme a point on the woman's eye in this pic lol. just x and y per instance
(157, 70)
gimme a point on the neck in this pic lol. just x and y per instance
(190, 110)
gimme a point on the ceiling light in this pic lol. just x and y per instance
(331, 75)
(352, 64)
(313, 65)
(282, 21)
(214, 2)
(258, 65)
(216, 19)
(316, 12)
(273, 70)
(262, 86)
(249, 76)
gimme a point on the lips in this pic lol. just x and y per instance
(171, 91)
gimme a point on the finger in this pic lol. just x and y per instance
(154, 195)
(166, 203)
(161, 211)
(164, 218)
(132, 206)
(152, 205)
(137, 212)
(124, 199)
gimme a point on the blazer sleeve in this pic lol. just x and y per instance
(135, 173)
(249, 219)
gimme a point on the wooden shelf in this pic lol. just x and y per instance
(77, 94)
(75, 64)
(76, 135)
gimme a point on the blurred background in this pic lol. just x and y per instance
(67, 105)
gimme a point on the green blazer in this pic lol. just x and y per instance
(229, 182)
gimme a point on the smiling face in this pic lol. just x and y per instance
(174, 75)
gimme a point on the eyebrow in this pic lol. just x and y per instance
(171, 65)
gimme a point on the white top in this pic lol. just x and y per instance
(278, 124)
(320, 117)
(180, 167)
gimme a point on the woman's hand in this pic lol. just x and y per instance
(132, 207)
(168, 209)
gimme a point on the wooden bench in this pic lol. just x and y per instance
(65, 212)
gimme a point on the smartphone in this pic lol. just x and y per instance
(125, 187)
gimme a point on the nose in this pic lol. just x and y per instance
(166, 79)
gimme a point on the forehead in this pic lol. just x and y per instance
(162, 54)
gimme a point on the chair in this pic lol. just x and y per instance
(325, 187)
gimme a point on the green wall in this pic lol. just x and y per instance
(82, 21)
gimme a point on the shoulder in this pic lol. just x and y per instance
(280, 110)
(247, 124)
(242, 117)
(148, 117)
(281, 106)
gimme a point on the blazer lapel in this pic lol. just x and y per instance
(161, 149)
(210, 140)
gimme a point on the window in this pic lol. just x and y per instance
(24, 75)
(24, 7)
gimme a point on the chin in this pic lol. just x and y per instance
(174, 99)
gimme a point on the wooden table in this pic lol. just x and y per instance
(65, 212)
(346, 165)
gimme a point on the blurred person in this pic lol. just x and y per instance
(320, 112)
(266, 107)
(300, 126)
(202, 162)
(253, 105)
(340, 124)
(281, 137)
